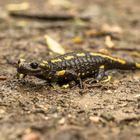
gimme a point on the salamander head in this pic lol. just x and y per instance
(24, 68)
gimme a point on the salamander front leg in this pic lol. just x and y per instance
(70, 74)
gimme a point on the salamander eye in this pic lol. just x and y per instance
(34, 65)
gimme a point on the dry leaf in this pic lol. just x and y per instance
(63, 3)
(53, 45)
(91, 33)
(112, 29)
(95, 33)
(21, 23)
(108, 42)
(104, 51)
(134, 53)
(77, 40)
(17, 7)
(78, 22)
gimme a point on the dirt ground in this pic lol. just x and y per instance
(30, 108)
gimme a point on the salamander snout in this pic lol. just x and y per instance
(25, 68)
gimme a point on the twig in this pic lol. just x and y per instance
(125, 49)
(2, 77)
(50, 17)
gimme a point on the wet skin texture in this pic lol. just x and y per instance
(74, 67)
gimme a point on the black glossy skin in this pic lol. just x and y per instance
(83, 64)
(76, 65)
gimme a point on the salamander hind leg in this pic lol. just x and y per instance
(101, 73)
(102, 76)
(98, 75)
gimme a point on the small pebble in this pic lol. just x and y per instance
(61, 121)
(31, 136)
(95, 119)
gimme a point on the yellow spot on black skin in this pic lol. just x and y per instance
(45, 62)
(21, 61)
(68, 57)
(81, 54)
(60, 73)
(138, 65)
(56, 60)
(102, 66)
(109, 57)
(107, 79)
(121, 61)
(21, 76)
(42, 65)
(65, 86)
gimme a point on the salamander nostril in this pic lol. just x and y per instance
(19, 61)
(34, 65)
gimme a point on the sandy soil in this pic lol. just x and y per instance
(29, 108)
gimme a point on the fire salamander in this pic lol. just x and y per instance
(74, 67)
